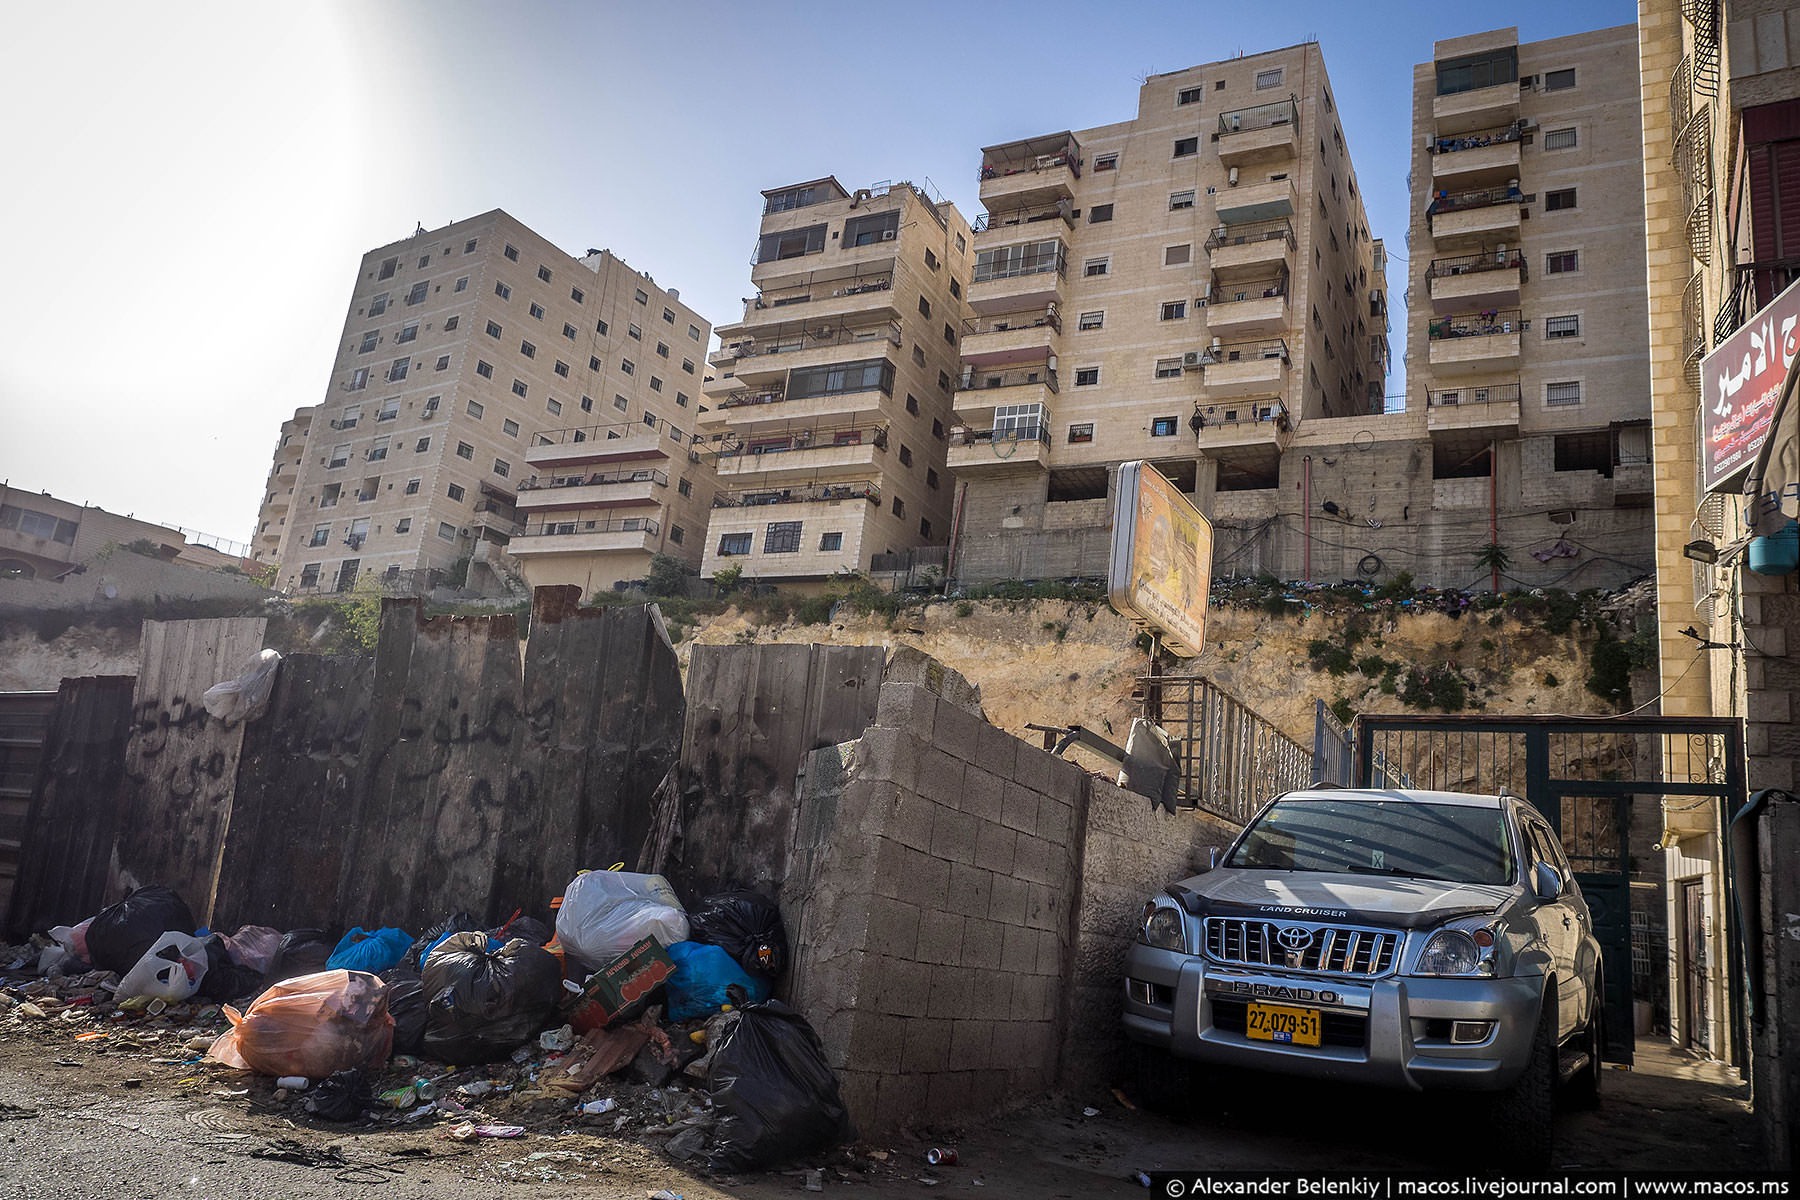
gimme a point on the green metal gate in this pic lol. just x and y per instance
(1586, 775)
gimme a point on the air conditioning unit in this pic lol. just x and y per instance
(464, 531)
(888, 235)
(1192, 360)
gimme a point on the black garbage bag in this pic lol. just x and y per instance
(124, 932)
(342, 1096)
(224, 979)
(406, 1004)
(747, 926)
(776, 1096)
(481, 1005)
(457, 923)
(302, 952)
(529, 929)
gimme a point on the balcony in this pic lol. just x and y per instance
(1023, 276)
(17, 542)
(1258, 368)
(1476, 342)
(1015, 217)
(816, 300)
(795, 257)
(1013, 337)
(823, 493)
(599, 489)
(1251, 202)
(1248, 307)
(1020, 385)
(596, 535)
(812, 451)
(1249, 424)
(1248, 251)
(1032, 172)
(1491, 214)
(769, 357)
(1476, 281)
(1266, 133)
(1482, 407)
(747, 407)
(1482, 157)
(1497, 104)
(626, 441)
(1010, 445)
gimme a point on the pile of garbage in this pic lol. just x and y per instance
(632, 1011)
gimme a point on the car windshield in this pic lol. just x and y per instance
(1453, 842)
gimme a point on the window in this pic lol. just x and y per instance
(931, 260)
(1168, 368)
(655, 384)
(676, 435)
(949, 334)
(1174, 310)
(577, 295)
(528, 350)
(321, 534)
(553, 406)
(484, 369)
(1562, 327)
(962, 243)
(397, 371)
(309, 575)
(388, 267)
(1091, 320)
(662, 349)
(899, 507)
(1106, 162)
(924, 527)
(1096, 266)
(621, 403)
(328, 498)
(1081, 433)
(937, 429)
(461, 284)
(871, 229)
(931, 478)
(510, 428)
(512, 253)
(417, 293)
(794, 243)
(627, 366)
(464, 450)
(447, 531)
(403, 525)
(924, 307)
(642, 297)
(918, 354)
(677, 534)
(685, 486)
(519, 388)
(831, 541)
(1099, 212)
(734, 543)
(389, 410)
(493, 329)
(650, 420)
(956, 289)
(912, 404)
(370, 340)
(944, 382)
(561, 368)
(868, 375)
(1557, 81)
(537, 312)
(1487, 69)
(1559, 139)
(687, 364)
(782, 537)
(457, 492)
(502, 468)
(633, 332)
(359, 379)
(1174, 256)
(502, 291)
(1087, 376)
(1560, 199)
(1562, 262)
(1164, 426)
(1268, 79)
(1184, 147)
(475, 409)
(544, 274)
(450, 323)
(378, 305)
(1181, 200)
(593, 362)
(681, 399)
(905, 455)
(422, 445)
(1557, 395)
(602, 328)
(568, 331)
(1188, 96)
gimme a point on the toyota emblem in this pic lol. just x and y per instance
(1294, 938)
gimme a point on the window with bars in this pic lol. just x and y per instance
(782, 537)
(1562, 327)
(1558, 395)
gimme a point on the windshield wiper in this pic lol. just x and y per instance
(1396, 871)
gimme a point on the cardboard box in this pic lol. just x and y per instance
(622, 989)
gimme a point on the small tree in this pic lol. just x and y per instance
(1495, 558)
(362, 611)
(726, 579)
(667, 577)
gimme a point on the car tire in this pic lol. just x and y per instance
(1523, 1116)
(1582, 1092)
(1163, 1082)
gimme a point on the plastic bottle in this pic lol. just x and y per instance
(294, 1083)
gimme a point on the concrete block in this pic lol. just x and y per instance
(1019, 954)
(1049, 954)
(888, 754)
(1043, 906)
(982, 793)
(993, 992)
(927, 1046)
(924, 879)
(1054, 820)
(1032, 860)
(893, 928)
(968, 890)
(951, 993)
(1010, 900)
(994, 848)
(949, 1091)
(972, 1045)
(1771, 771)
(897, 986)
(1019, 808)
(900, 1101)
(907, 706)
(953, 835)
(912, 821)
(958, 732)
(860, 1090)
(940, 937)
(877, 1041)
(983, 942)
(998, 751)
(1064, 780)
(941, 776)
(1032, 767)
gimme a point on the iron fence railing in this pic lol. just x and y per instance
(597, 525)
(1245, 235)
(1263, 116)
(786, 341)
(596, 479)
(1478, 140)
(1444, 202)
(1248, 289)
(805, 494)
(783, 297)
(975, 380)
(798, 441)
(1492, 393)
(964, 436)
(597, 433)
(1009, 322)
(1233, 760)
(1470, 264)
(1483, 324)
(1013, 268)
(1233, 352)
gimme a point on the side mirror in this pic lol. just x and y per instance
(1546, 882)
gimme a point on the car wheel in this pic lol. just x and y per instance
(1163, 1082)
(1523, 1116)
(1582, 1092)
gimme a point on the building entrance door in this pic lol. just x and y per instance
(1696, 1021)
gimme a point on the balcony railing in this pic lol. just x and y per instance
(861, 490)
(1469, 264)
(1040, 264)
(1006, 322)
(1254, 289)
(1479, 198)
(788, 341)
(597, 433)
(601, 525)
(1480, 139)
(580, 479)
(1496, 393)
(1263, 116)
(748, 396)
(974, 380)
(1236, 352)
(1244, 235)
(1271, 412)
(1003, 220)
(1049, 153)
(963, 436)
(801, 440)
(853, 287)
(1484, 324)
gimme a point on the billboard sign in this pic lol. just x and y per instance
(1739, 384)
(1161, 566)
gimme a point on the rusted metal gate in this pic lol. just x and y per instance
(1232, 760)
(1584, 774)
(24, 724)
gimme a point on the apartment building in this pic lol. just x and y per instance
(42, 537)
(278, 491)
(497, 401)
(1527, 317)
(830, 403)
(1191, 287)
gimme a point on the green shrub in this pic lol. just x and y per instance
(1329, 656)
(814, 610)
(668, 576)
(726, 579)
(964, 608)
(1550, 680)
(1343, 710)
(1610, 678)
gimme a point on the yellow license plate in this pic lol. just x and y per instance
(1273, 1023)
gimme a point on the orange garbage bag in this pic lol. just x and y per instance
(310, 1025)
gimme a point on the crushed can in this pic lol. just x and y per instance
(941, 1157)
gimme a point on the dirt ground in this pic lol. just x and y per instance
(130, 1115)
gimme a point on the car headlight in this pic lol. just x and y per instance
(1466, 947)
(1161, 927)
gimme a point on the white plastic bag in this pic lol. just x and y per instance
(247, 697)
(170, 970)
(606, 913)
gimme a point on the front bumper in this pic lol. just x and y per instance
(1187, 1006)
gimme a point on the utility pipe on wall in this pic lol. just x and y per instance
(1306, 518)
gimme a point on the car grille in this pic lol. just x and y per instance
(1335, 1029)
(1331, 949)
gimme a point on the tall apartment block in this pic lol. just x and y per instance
(498, 401)
(1193, 286)
(1527, 316)
(830, 403)
(278, 492)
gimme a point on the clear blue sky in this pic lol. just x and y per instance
(190, 187)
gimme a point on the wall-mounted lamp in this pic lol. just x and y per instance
(1701, 551)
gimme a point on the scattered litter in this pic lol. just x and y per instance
(1123, 1100)
(1141, 1179)
(557, 1040)
(815, 1181)
(664, 1194)
(133, 1083)
(594, 1108)
(294, 1083)
(1090, 1112)
(15, 1112)
(343, 1097)
(465, 1131)
(941, 1157)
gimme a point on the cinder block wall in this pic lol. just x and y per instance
(950, 950)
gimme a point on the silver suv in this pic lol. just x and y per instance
(1424, 940)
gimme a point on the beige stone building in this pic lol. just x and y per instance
(496, 400)
(829, 411)
(42, 537)
(278, 492)
(1191, 286)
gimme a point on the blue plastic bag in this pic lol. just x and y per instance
(374, 952)
(702, 975)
